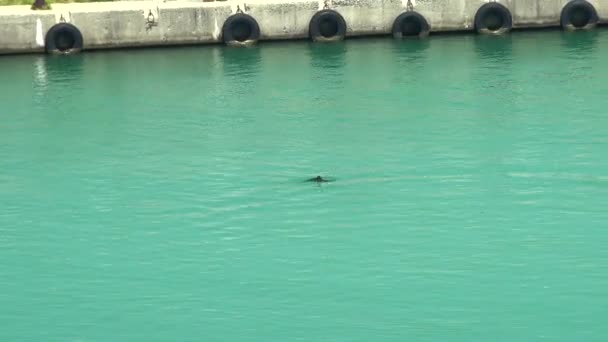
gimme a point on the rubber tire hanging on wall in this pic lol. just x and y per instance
(63, 39)
(578, 15)
(327, 26)
(410, 24)
(493, 19)
(240, 29)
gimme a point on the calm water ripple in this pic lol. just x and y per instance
(159, 195)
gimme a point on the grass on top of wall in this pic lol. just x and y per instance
(50, 2)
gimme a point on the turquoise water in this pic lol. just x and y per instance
(158, 195)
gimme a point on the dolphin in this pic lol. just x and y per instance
(319, 179)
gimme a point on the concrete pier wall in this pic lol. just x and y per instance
(155, 23)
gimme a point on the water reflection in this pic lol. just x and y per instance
(328, 62)
(494, 63)
(63, 69)
(495, 49)
(579, 42)
(411, 50)
(581, 53)
(51, 72)
(241, 62)
(329, 57)
(41, 77)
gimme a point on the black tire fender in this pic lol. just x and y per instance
(63, 39)
(240, 29)
(578, 8)
(493, 10)
(420, 27)
(324, 22)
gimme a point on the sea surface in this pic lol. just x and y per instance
(160, 195)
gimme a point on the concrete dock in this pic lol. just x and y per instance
(71, 28)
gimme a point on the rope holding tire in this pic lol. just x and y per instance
(493, 19)
(63, 39)
(410, 24)
(327, 26)
(241, 30)
(578, 15)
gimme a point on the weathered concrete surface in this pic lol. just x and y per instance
(18, 30)
(283, 20)
(151, 23)
(369, 17)
(120, 24)
(602, 10)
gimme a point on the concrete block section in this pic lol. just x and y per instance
(449, 15)
(368, 17)
(528, 14)
(192, 25)
(145, 24)
(24, 31)
(283, 20)
(114, 29)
